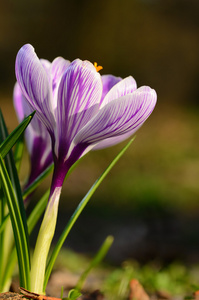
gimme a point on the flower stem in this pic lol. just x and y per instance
(43, 243)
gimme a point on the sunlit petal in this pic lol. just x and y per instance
(58, 67)
(108, 81)
(34, 83)
(79, 95)
(118, 117)
(113, 141)
(122, 88)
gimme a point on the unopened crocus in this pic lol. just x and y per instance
(38, 140)
(81, 110)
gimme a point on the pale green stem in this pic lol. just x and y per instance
(43, 243)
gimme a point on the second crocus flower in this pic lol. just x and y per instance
(37, 137)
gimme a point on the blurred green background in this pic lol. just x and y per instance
(150, 201)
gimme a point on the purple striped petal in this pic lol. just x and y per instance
(41, 156)
(37, 137)
(119, 117)
(23, 109)
(108, 81)
(78, 101)
(128, 85)
(34, 83)
(122, 88)
(58, 67)
(112, 141)
(45, 64)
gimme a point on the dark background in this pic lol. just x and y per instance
(150, 200)
(155, 41)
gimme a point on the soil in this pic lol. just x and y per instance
(136, 292)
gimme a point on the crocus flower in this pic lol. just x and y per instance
(81, 110)
(37, 137)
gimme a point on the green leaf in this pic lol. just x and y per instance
(9, 268)
(14, 136)
(95, 261)
(2, 226)
(18, 153)
(73, 294)
(37, 211)
(11, 168)
(3, 223)
(37, 181)
(77, 212)
(62, 292)
(18, 227)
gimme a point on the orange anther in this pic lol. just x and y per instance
(98, 68)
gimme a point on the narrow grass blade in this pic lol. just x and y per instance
(18, 153)
(12, 171)
(77, 212)
(14, 136)
(74, 167)
(37, 211)
(95, 261)
(37, 181)
(3, 223)
(9, 270)
(32, 220)
(18, 227)
(2, 226)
